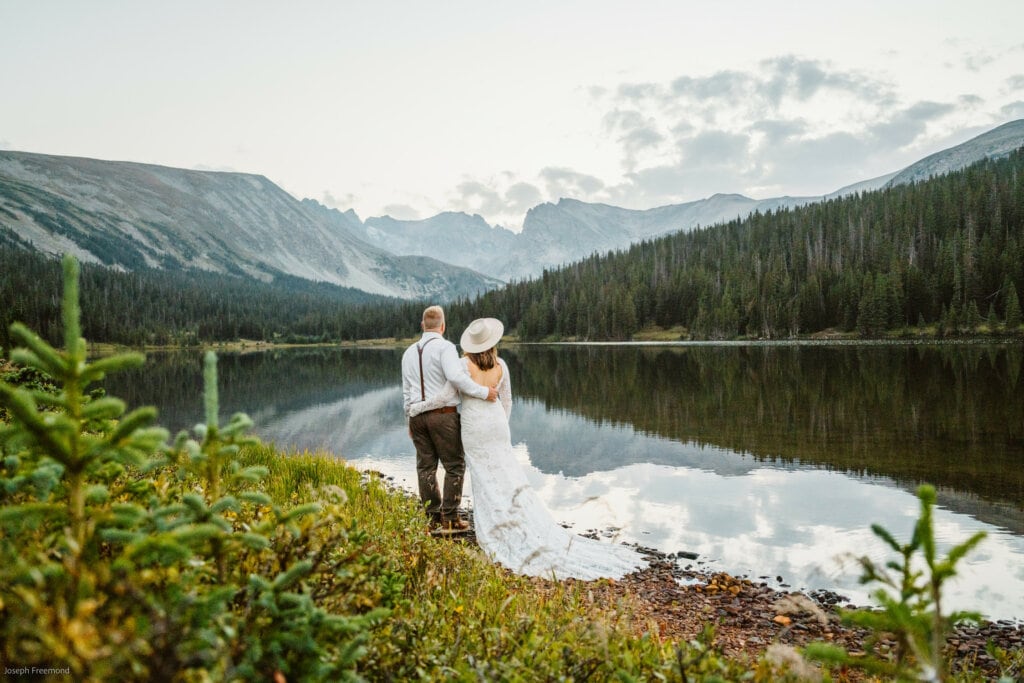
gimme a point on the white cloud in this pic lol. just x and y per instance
(777, 131)
(522, 197)
(725, 86)
(801, 79)
(477, 197)
(903, 127)
(402, 212)
(1013, 110)
(712, 148)
(503, 199)
(789, 125)
(635, 132)
(785, 165)
(976, 61)
(346, 200)
(565, 182)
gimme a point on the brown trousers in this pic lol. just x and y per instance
(438, 438)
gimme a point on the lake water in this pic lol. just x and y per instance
(767, 461)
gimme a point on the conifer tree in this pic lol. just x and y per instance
(953, 317)
(992, 319)
(972, 316)
(1013, 315)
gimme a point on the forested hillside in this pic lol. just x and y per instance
(177, 307)
(947, 251)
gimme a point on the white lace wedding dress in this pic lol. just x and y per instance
(512, 524)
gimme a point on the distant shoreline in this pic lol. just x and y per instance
(249, 346)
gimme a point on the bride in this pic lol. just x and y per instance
(513, 526)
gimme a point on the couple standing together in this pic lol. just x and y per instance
(513, 526)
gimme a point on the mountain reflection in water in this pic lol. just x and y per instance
(765, 460)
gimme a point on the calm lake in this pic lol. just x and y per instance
(767, 461)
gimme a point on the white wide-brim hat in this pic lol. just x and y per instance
(482, 334)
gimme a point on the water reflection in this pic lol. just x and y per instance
(951, 415)
(795, 521)
(765, 461)
(798, 525)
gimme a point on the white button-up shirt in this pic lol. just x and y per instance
(441, 366)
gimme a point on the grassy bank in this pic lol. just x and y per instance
(217, 558)
(461, 617)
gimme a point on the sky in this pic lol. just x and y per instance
(413, 108)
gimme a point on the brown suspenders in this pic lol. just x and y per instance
(419, 348)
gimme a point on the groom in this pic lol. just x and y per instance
(427, 367)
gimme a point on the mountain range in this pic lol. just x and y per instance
(127, 215)
(558, 233)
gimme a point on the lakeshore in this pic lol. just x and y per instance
(928, 334)
(678, 600)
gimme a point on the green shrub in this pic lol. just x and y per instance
(911, 604)
(123, 558)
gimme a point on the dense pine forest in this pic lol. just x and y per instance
(173, 307)
(945, 254)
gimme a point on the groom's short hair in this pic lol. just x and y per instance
(433, 318)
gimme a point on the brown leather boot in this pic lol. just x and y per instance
(453, 525)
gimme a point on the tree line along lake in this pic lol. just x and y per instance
(765, 460)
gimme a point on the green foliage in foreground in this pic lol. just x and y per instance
(218, 558)
(910, 596)
(123, 558)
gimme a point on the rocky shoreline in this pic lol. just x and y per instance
(748, 616)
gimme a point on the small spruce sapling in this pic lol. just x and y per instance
(63, 450)
(911, 603)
